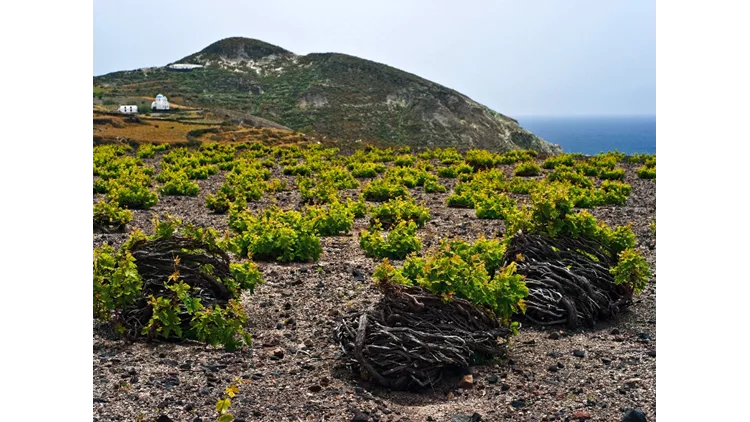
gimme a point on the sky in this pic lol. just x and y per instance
(520, 58)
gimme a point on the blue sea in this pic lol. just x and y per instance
(592, 135)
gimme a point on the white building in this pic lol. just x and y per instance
(184, 66)
(160, 103)
(128, 109)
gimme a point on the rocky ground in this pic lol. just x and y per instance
(293, 370)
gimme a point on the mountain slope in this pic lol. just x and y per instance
(332, 94)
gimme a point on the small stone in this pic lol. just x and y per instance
(463, 417)
(579, 353)
(652, 353)
(632, 415)
(492, 379)
(554, 335)
(553, 368)
(287, 306)
(308, 343)
(554, 354)
(505, 387)
(581, 415)
(198, 419)
(518, 403)
(315, 388)
(577, 365)
(633, 382)
(325, 381)
(430, 419)
(278, 353)
(615, 331)
(188, 407)
(644, 336)
(360, 417)
(606, 361)
(279, 326)
(560, 365)
(358, 276)
(287, 292)
(467, 382)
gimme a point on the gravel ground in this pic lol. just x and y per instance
(293, 369)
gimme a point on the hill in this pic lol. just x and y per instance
(329, 94)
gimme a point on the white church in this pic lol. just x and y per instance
(160, 103)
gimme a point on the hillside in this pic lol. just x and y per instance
(329, 94)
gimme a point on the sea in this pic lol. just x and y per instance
(592, 135)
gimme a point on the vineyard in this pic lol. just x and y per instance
(249, 280)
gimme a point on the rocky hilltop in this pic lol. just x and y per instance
(330, 94)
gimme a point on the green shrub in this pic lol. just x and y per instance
(297, 170)
(631, 270)
(339, 177)
(385, 272)
(315, 191)
(480, 159)
(493, 206)
(276, 185)
(133, 196)
(399, 242)
(109, 216)
(220, 202)
(274, 234)
(515, 156)
(645, 172)
(527, 169)
(358, 207)
(179, 184)
(612, 174)
(564, 174)
(334, 219)
(520, 186)
(363, 170)
(397, 210)
(433, 186)
(615, 193)
(145, 151)
(559, 160)
(404, 161)
(450, 172)
(176, 312)
(470, 271)
(460, 200)
(380, 190)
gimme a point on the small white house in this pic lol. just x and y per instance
(184, 66)
(160, 103)
(128, 109)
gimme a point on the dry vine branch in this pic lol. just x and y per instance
(411, 338)
(568, 280)
(157, 260)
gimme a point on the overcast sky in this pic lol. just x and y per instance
(531, 57)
